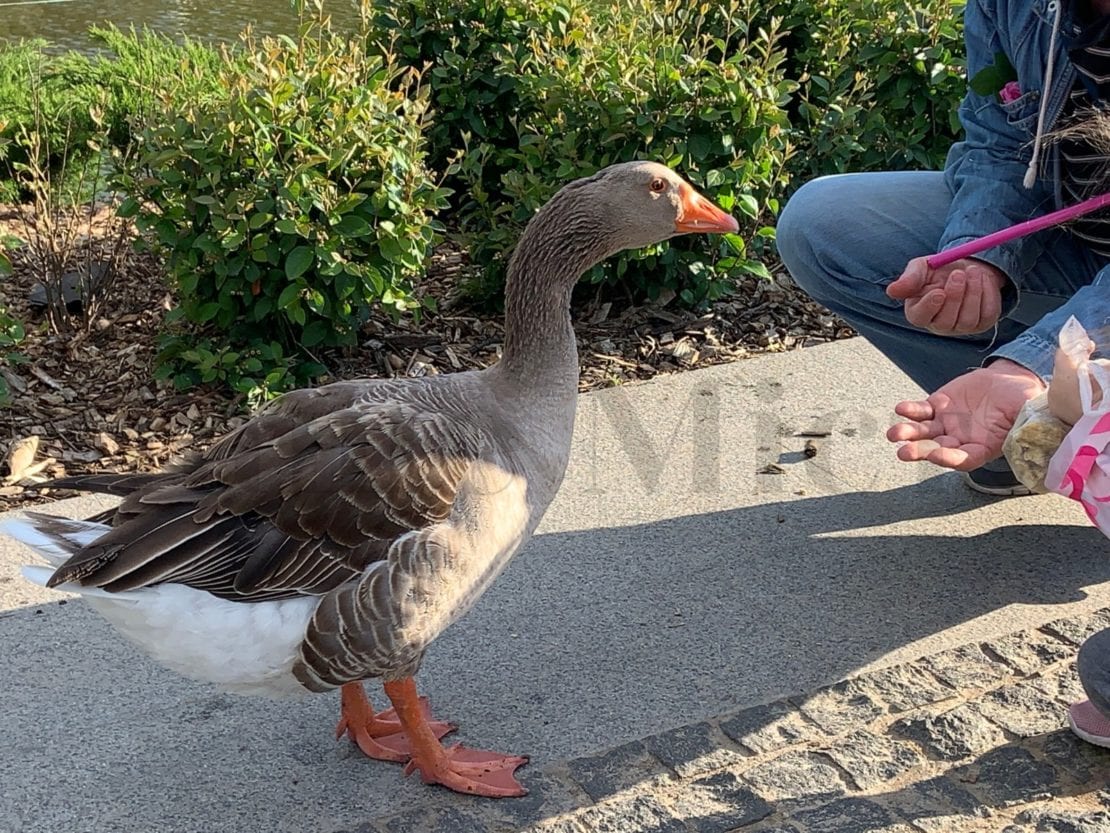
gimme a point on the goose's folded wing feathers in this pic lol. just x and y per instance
(299, 513)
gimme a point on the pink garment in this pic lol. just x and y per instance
(1080, 468)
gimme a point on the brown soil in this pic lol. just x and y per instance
(90, 399)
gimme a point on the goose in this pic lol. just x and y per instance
(334, 535)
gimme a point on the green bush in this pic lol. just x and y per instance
(11, 330)
(288, 183)
(461, 45)
(880, 83)
(747, 98)
(592, 83)
(287, 210)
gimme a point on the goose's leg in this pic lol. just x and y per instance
(472, 771)
(380, 736)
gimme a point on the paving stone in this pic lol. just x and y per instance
(1052, 821)
(1076, 629)
(1029, 650)
(548, 796)
(720, 803)
(1087, 763)
(693, 750)
(966, 667)
(1008, 776)
(637, 814)
(1023, 709)
(934, 804)
(1063, 685)
(796, 776)
(840, 707)
(904, 687)
(769, 727)
(851, 815)
(873, 760)
(953, 734)
(622, 768)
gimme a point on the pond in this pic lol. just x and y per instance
(65, 23)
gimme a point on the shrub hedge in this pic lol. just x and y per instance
(11, 330)
(747, 97)
(880, 83)
(699, 87)
(294, 183)
(287, 208)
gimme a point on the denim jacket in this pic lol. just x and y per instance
(986, 169)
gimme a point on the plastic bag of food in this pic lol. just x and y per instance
(1080, 468)
(1044, 423)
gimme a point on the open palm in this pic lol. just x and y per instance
(963, 425)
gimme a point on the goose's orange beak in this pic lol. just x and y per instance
(697, 215)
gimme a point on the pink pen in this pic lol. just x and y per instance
(1020, 230)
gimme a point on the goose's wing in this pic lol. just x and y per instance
(276, 418)
(298, 510)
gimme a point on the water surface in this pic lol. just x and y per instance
(65, 23)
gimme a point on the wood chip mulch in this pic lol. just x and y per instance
(87, 402)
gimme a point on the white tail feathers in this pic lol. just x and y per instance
(56, 539)
(36, 574)
(52, 537)
(247, 648)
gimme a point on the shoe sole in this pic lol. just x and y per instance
(1097, 740)
(1017, 490)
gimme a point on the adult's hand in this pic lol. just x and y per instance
(961, 298)
(963, 425)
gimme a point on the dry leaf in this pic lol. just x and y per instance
(20, 458)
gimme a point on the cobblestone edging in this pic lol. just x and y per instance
(972, 739)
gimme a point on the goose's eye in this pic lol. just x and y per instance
(658, 186)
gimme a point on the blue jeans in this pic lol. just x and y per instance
(844, 238)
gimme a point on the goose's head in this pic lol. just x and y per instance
(642, 203)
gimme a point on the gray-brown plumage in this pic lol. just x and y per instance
(365, 516)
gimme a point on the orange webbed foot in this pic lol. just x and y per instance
(380, 736)
(472, 771)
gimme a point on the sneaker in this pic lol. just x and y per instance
(1002, 483)
(1089, 723)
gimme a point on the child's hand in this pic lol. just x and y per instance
(963, 425)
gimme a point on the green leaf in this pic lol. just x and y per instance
(314, 333)
(352, 226)
(993, 77)
(298, 261)
(289, 295)
(296, 313)
(128, 208)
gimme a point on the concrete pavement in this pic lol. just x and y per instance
(671, 582)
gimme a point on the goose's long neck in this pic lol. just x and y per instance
(561, 242)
